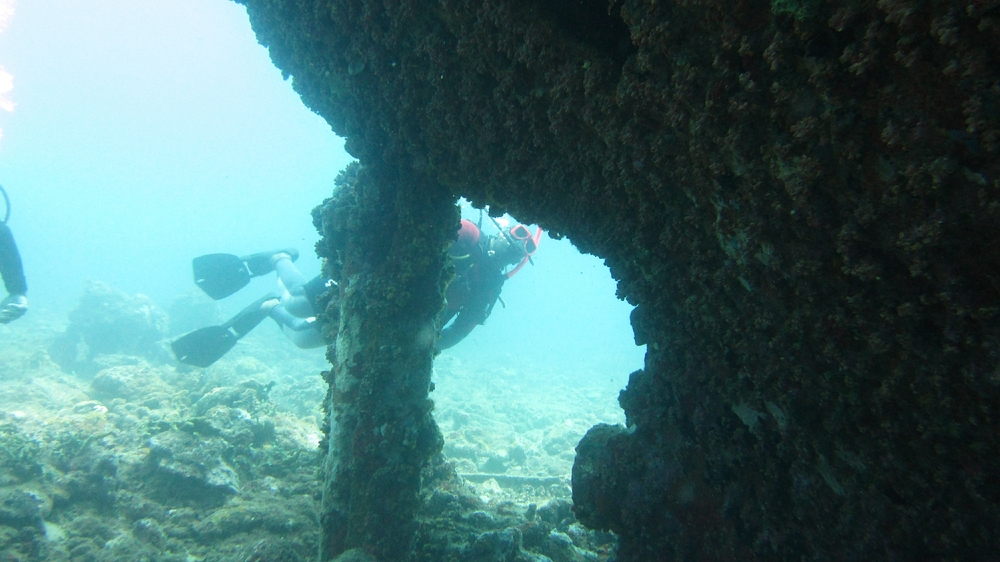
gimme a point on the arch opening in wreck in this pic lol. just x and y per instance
(515, 397)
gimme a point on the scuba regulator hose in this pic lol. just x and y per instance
(6, 201)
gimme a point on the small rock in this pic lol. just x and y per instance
(88, 406)
(559, 547)
(555, 511)
(148, 531)
(19, 509)
(497, 545)
(496, 464)
(355, 555)
(181, 467)
(481, 519)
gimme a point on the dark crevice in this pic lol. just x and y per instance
(592, 22)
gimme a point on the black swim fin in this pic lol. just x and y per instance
(221, 275)
(205, 346)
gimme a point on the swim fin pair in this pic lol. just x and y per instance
(221, 275)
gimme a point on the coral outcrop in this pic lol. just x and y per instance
(801, 197)
(107, 323)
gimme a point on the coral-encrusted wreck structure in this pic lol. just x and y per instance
(801, 197)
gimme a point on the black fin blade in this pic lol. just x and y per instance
(203, 347)
(220, 275)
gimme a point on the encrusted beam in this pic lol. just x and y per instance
(803, 199)
(384, 243)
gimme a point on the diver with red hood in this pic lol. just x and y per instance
(481, 269)
(482, 265)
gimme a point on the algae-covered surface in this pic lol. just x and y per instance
(145, 461)
(801, 198)
(117, 456)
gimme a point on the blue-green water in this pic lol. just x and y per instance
(146, 133)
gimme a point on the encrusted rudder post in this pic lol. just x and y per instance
(384, 240)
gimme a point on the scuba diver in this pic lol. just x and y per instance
(481, 264)
(16, 303)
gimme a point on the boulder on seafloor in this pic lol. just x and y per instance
(504, 545)
(128, 382)
(457, 524)
(248, 395)
(291, 518)
(355, 555)
(182, 469)
(107, 321)
(596, 489)
(275, 550)
(560, 548)
(235, 426)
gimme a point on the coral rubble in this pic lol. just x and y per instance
(157, 462)
(801, 198)
(142, 462)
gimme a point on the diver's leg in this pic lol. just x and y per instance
(299, 306)
(305, 339)
(285, 318)
(296, 302)
(304, 333)
(290, 276)
(262, 263)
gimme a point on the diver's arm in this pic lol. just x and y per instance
(455, 332)
(473, 314)
(10, 263)
(16, 304)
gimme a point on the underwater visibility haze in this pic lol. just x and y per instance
(135, 136)
(800, 201)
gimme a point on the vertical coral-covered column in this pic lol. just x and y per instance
(384, 240)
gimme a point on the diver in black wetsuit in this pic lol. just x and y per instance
(16, 303)
(481, 264)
